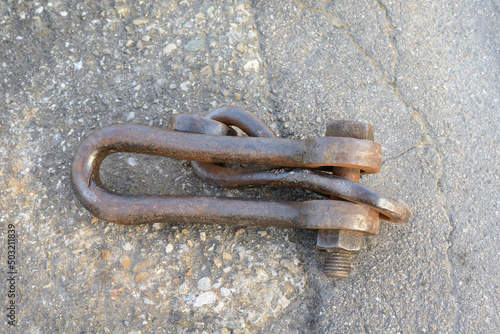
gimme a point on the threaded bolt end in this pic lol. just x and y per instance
(337, 264)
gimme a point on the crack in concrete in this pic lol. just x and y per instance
(426, 141)
(420, 145)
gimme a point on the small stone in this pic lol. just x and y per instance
(139, 45)
(130, 116)
(105, 254)
(148, 301)
(218, 262)
(169, 48)
(184, 288)
(39, 10)
(129, 43)
(203, 236)
(205, 299)
(139, 22)
(227, 257)
(106, 51)
(204, 284)
(219, 307)
(261, 274)
(210, 12)
(241, 47)
(185, 86)
(288, 290)
(124, 261)
(225, 93)
(169, 248)
(207, 70)
(252, 65)
(145, 38)
(123, 10)
(138, 87)
(288, 264)
(132, 162)
(172, 86)
(63, 13)
(237, 96)
(195, 45)
(225, 292)
(116, 292)
(239, 232)
(161, 82)
(337, 21)
(142, 276)
(78, 65)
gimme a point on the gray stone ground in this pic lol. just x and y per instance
(425, 74)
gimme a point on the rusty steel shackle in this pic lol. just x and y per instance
(208, 148)
(142, 209)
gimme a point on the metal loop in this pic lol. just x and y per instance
(142, 209)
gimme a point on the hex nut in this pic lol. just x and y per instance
(339, 240)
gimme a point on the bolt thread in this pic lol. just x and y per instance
(337, 264)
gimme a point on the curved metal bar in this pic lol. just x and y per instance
(246, 121)
(325, 183)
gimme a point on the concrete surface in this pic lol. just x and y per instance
(424, 73)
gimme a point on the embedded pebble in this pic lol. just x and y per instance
(185, 86)
(184, 288)
(205, 298)
(195, 45)
(138, 22)
(132, 162)
(204, 284)
(241, 47)
(124, 261)
(130, 116)
(225, 292)
(288, 264)
(169, 48)
(252, 66)
(142, 276)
